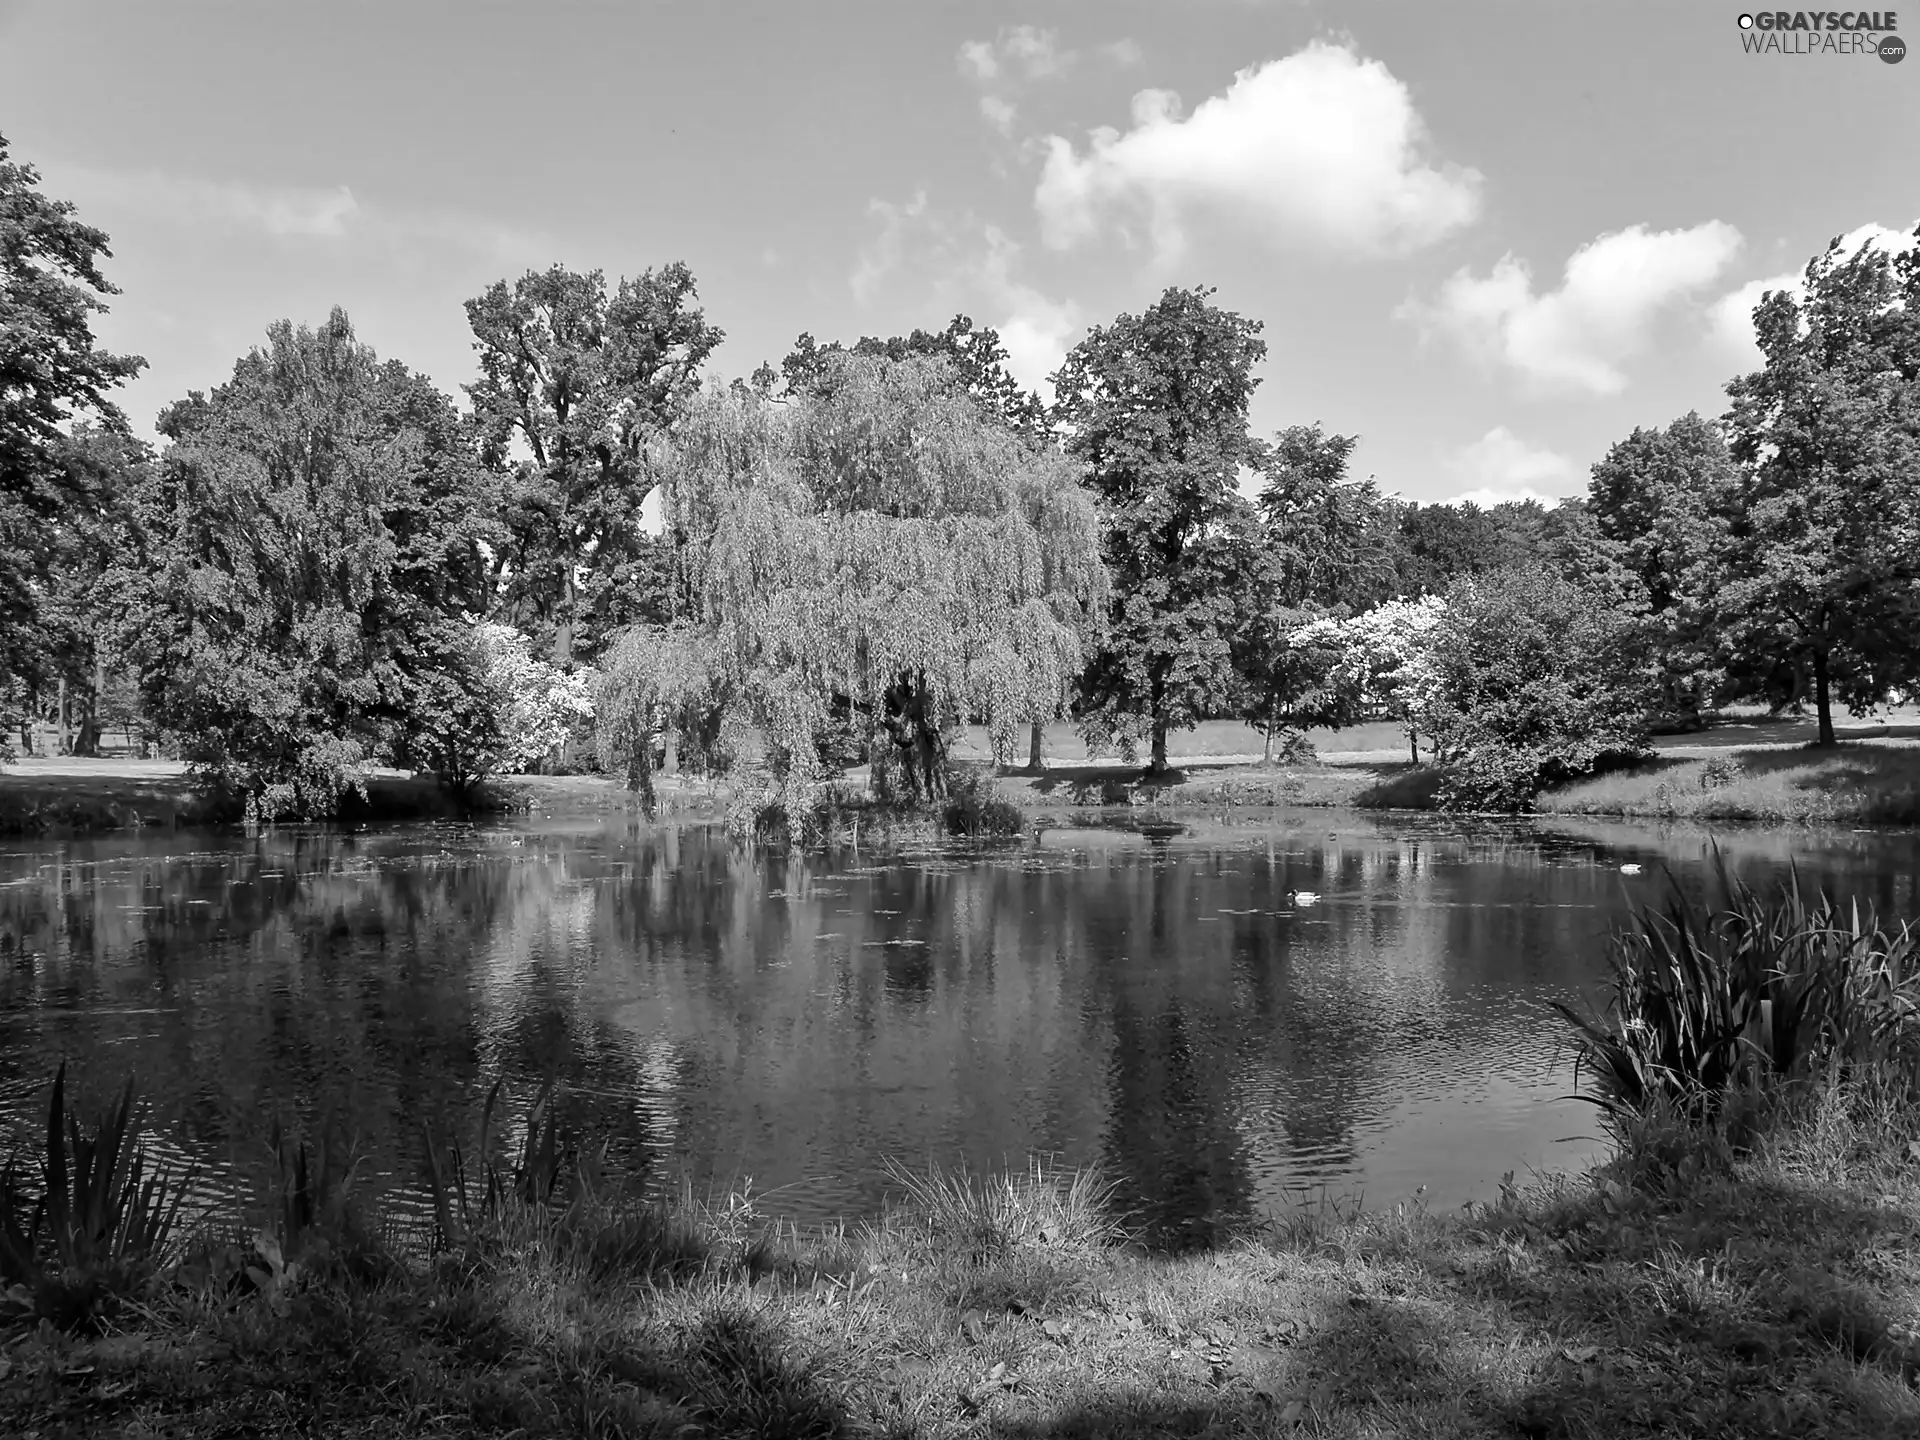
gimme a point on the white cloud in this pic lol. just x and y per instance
(1023, 50)
(1730, 318)
(1321, 148)
(1577, 337)
(880, 257)
(1036, 331)
(1501, 466)
(935, 265)
(332, 215)
(1035, 51)
(977, 60)
(1124, 52)
(282, 211)
(1000, 113)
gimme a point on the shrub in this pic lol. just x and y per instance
(1539, 682)
(973, 809)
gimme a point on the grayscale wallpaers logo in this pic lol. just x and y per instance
(1824, 32)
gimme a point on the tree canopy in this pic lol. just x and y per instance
(52, 373)
(315, 540)
(1154, 408)
(885, 539)
(574, 382)
(1824, 554)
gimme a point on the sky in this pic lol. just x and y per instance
(1489, 239)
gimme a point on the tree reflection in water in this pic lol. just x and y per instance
(1149, 1002)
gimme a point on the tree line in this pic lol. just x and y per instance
(328, 564)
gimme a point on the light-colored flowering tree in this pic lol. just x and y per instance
(1384, 660)
(536, 706)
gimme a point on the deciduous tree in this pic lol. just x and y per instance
(1154, 407)
(574, 382)
(315, 538)
(1824, 557)
(888, 540)
(52, 373)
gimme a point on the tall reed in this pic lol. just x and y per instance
(1707, 996)
(104, 1218)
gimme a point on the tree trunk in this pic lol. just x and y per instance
(670, 764)
(65, 742)
(1036, 758)
(1158, 764)
(1822, 700)
(1266, 748)
(1413, 743)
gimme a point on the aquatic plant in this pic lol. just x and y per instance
(103, 1221)
(531, 1177)
(1758, 988)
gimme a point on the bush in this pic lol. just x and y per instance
(1539, 682)
(973, 809)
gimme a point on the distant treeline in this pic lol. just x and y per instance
(327, 564)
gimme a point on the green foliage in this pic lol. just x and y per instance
(1537, 681)
(885, 541)
(51, 375)
(657, 684)
(102, 1223)
(974, 809)
(1438, 545)
(314, 541)
(974, 358)
(1155, 409)
(575, 384)
(1704, 999)
(1823, 567)
(1663, 505)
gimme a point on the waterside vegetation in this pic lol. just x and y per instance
(1743, 1264)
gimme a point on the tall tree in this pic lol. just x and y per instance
(574, 382)
(315, 541)
(1328, 540)
(1824, 559)
(975, 358)
(90, 544)
(1154, 407)
(1662, 501)
(51, 373)
(888, 540)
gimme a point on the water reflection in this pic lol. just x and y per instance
(1148, 1000)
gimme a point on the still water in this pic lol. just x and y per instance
(1153, 1002)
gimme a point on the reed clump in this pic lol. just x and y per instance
(1725, 1013)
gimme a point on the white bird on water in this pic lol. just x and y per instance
(1629, 869)
(1301, 897)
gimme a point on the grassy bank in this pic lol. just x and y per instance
(1858, 784)
(1778, 1297)
(1748, 1264)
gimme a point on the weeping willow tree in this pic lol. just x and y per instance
(655, 681)
(888, 541)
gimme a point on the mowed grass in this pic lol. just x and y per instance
(1776, 1299)
(1858, 783)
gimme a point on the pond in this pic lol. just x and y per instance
(1160, 1000)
